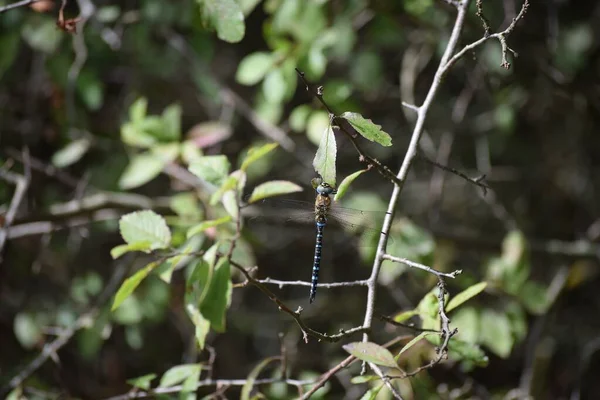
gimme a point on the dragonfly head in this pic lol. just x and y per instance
(325, 189)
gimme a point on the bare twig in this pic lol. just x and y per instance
(305, 283)
(343, 125)
(208, 383)
(484, 20)
(411, 153)
(501, 37)
(85, 320)
(17, 4)
(413, 264)
(21, 183)
(307, 331)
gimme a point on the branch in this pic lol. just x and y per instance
(21, 183)
(85, 320)
(411, 153)
(501, 37)
(413, 264)
(306, 331)
(206, 383)
(304, 283)
(17, 4)
(343, 125)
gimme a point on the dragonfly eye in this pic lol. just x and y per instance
(325, 189)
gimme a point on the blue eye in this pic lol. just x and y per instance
(325, 189)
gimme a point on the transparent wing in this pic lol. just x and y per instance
(298, 211)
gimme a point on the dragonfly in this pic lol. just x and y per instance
(322, 212)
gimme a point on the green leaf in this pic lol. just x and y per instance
(141, 169)
(299, 117)
(201, 324)
(212, 169)
(171, 118)
(372, 393)
(226, 17)
(414, 341)
(463, 351)
(178, 374)
(137, 111)
(132, 134)
(534, 297)
(317, 122)
(324, 161)
(466, 319)
(371, 352)
(27, 330)
(218, 296)
(254, 67)
(145, 226)
(251, 378)
(41, 34)
(274, 86)
(118, 251)
(405, 316)
(343, 187)
(367, 128)
(230, 203)
(465, 295)
(201, 227)
(273, 188)
(131, 283)
(186, 206)
(91, 90)
(495, 332)
(143, 382)
(71, 153)
(256, 153)
(129, 312)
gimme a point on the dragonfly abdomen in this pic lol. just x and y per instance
(317, 261)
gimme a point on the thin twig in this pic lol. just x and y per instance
(501, 37)
(411, 153)
(85, 320)
(305, 283)
(306, 331)
(21, 183)
(344, 127)
(413, 264)
(390, 320)
(17, 4)
(207, 383)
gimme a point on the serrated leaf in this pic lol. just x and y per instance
(131, 283)
(414, 341)
(371, 352)
(143, 382)
(118, 251)
(178, 374)
(253, 68)
(71, 153)
(141, 169)
(218, 296)
(343, 187)
(226, 17)
(324, 161)
(201, 227)
(273, 188)
(465, 295)
(251, 378)
(145, 226)
(367, 128)
(257, 153)
(212, 169)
